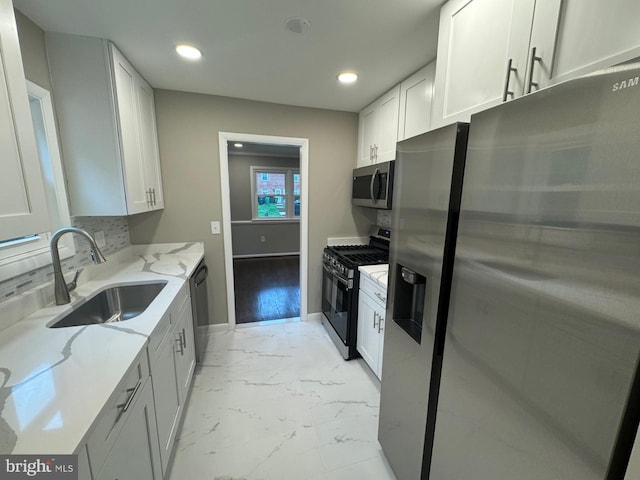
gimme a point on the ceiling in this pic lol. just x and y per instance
(248, 52)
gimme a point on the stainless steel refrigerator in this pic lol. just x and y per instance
(427, 186)
(543, 335)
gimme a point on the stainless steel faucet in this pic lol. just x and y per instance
(60, 285)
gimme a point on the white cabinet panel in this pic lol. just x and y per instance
(371, 318)
(185, 349)
(478, 41)
(166, 388)
(593, 35)
(23, 208)
(416, 94)
(378, 129)
(125, 91)
(135, 454)
(107, 125)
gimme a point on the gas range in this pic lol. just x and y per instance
(340, 285)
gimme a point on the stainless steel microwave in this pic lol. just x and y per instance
(373, 186)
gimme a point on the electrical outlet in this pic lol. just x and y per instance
(215, 228)
(100, 240)
(263, 238)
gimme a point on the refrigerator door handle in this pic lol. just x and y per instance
(374, 198)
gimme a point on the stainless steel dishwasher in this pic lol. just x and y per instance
(200, 308)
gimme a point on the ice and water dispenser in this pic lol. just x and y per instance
(408, 303)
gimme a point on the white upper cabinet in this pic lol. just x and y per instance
(592, 35)
(490, 51)
(23, 208)
(416, 94)
(106, 115)
(378, 129)
(483, 46)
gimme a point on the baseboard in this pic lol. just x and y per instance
(215, 328)
(314, 317)
(261, 255)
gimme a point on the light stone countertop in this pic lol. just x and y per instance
(55, 382)
(377, 273)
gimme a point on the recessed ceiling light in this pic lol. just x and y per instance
(297, 24)
(188, 51)
(347, 77)
(238, 145)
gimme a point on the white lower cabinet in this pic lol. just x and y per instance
(371, 313)
(135, 454)
(134, 437)
(171, 373)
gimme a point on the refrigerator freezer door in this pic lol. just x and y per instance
(426, 167)
(543, 334)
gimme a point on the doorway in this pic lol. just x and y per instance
(265, 262)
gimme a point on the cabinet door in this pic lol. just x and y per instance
(381, 313)
(387, 111)
(149, 143)
(125, 78)
(416, 93)
(476, 41)
(594, 35)
(23, 208)
(185, 349)
(135, 454)
(367, 339)
(366, 135)
(167, 398)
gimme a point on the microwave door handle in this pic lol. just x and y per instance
(373, 181)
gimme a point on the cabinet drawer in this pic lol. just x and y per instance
(375, 290)
(156, 339)
(116, 411)
(182, 297)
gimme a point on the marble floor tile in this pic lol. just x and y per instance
(277, 401)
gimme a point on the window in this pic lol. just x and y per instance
(275, 193)
(19, 255)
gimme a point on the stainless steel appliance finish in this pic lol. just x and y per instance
(373, 186)
(543, 337)
(199, 307)
(340, 284)
(115, 304)
(429, 172)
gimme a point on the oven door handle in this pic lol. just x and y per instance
(334, 275)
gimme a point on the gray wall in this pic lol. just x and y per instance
(188, 126)
(279, 237)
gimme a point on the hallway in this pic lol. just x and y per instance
(266, 288)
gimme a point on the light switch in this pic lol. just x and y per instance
(215, 228)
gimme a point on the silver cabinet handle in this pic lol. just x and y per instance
(373, 181)
(375, 314)
(381, 298)
(510, 69)
(148, 194)
(123, 407)
(180, 343)
(375, 152)
(534, 59)
(380, 320)
(184, 339)
(371, 152)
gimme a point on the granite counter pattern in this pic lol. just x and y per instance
(54, 383)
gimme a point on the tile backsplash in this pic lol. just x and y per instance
(384, 218)
(116, 233)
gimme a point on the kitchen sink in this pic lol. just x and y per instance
(114, 304)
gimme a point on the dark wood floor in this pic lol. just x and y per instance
(266, 288)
